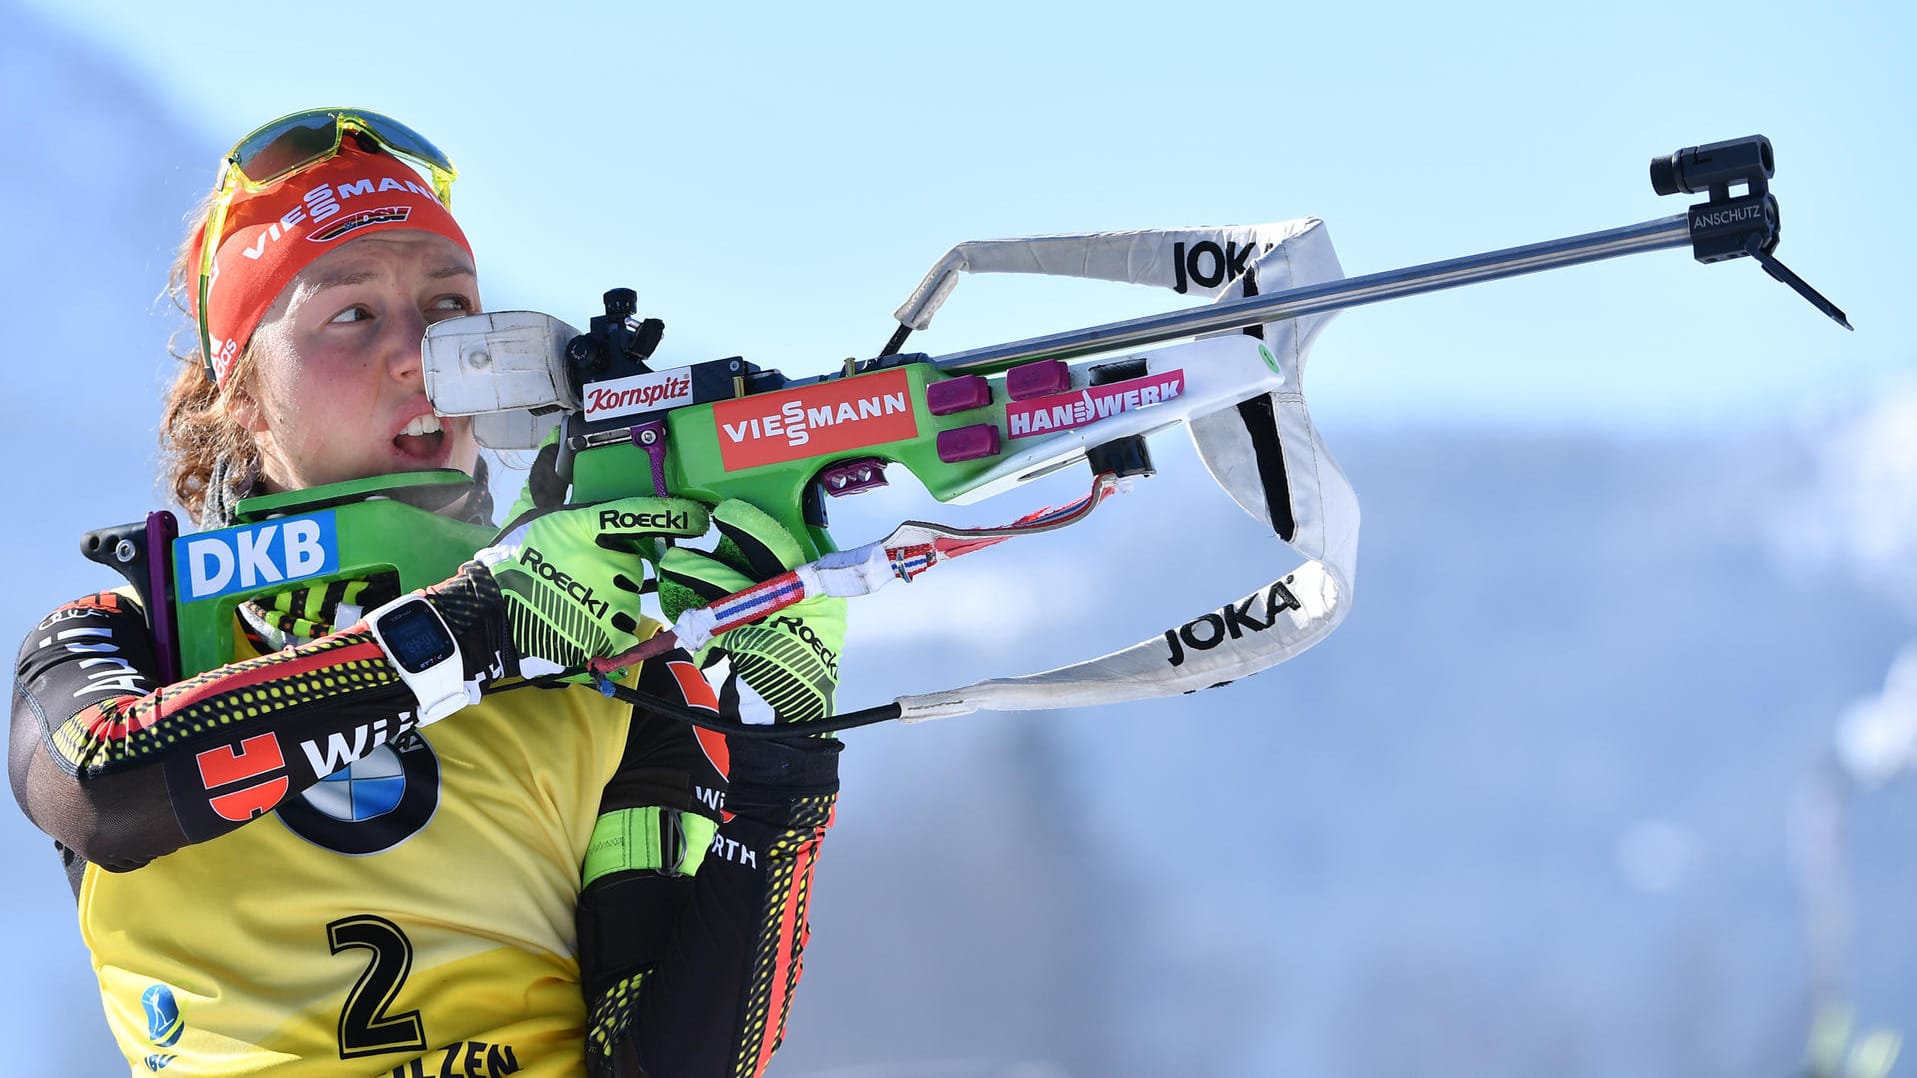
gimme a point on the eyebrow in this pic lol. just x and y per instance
(352, 277)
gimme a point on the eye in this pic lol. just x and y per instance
(352, 314)
(448, 307)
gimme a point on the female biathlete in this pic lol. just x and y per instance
(367, 844)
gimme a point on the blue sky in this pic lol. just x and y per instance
(775, 180)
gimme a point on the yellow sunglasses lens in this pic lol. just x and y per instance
(294, 142)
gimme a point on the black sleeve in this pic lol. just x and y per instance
(692, 972)
(78, 673)
(120, 769)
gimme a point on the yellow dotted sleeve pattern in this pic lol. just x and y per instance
(129, 730)
(778, 958)
(612, 1016)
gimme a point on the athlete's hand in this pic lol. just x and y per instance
(570, 577)
(786, 664)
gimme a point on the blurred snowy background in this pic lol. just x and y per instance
(1640, 539)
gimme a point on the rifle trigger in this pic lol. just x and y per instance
(651, 438)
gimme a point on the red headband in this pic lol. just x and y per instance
(273, 234)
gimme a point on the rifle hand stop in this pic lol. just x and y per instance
(1725, 227)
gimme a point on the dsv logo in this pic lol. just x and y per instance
(1230, 622)
(1209, 264)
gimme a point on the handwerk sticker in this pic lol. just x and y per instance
(1063, 411)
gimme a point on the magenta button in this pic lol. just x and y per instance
(1040, 379)
(958, 394)
(968, 443)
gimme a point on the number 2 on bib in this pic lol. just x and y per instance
(365, 1027)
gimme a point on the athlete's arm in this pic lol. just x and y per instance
(689, 955)
(120, 769)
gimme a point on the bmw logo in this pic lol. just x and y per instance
(371, 805)
(163, 1022)
(363, 790)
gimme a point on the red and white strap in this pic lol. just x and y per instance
(912, 548)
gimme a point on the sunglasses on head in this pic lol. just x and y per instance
(290, 144)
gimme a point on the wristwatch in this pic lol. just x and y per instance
(424, 654)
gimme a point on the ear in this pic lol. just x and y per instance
(244, 409)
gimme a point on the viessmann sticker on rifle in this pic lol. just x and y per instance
(1063, 411)
(639, 393)
(851, 413)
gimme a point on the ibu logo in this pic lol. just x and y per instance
(254, 555)
(163, 1021)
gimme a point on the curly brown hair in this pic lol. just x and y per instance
(197, 430)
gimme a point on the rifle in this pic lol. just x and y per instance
(975, 424)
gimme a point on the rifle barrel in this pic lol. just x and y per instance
(1328, 296)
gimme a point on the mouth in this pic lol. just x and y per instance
(422, 439)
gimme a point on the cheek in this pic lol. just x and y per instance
(313, 409)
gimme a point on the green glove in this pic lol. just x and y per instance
(784, 667)
(570, 577)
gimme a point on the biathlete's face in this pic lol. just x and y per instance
(338, 392)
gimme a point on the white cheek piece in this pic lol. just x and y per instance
(424, 655)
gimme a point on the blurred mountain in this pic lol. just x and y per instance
(1528, 812)
(1531, 810)
(100, 187)
(99, 190)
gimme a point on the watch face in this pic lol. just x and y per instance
(415, 638)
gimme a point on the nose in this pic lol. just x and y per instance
(404, 331)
